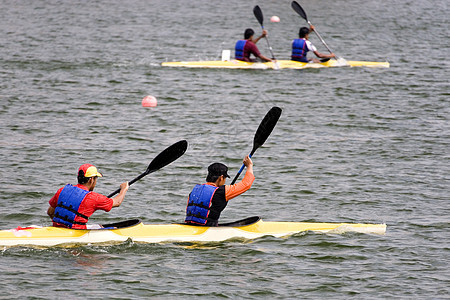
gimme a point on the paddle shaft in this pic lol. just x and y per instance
(167, 156)
(299, 10)
(268, 44)
(130, 183)
(241, 169)
(259, 16)
(320, 38)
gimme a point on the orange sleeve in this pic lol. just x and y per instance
(234, 190)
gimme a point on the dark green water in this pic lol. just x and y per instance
(352, 145)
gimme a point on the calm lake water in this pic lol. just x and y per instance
(352, 145)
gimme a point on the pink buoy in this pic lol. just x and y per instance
(275, 19)
(149, 101)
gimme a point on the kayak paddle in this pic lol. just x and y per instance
(169, 155)
(298, 9)
(262, 133)
(259, 16)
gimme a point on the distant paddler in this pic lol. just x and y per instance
(246, 47)
(302, 45)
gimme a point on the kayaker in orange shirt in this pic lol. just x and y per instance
(208, 200)
(72, 206)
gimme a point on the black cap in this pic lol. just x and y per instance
(218, 169)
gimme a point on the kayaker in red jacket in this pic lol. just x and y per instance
(208, 200)
(72, 206)
(246, 47)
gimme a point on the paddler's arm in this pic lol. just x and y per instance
(321, 55)
(258, 54)
(264, 33)
(52, 204)
(265, 58)
(234, 190)
(317, 53)
(117, 200)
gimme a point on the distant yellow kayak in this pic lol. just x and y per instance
(136, 231)
(280, 64)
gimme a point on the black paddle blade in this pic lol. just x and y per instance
(258, 14)
(298, 9)
(262, 133)
(169, 155)
(266, 127)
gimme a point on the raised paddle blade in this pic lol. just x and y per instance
(298, 9)
(258, 15)
(166, 157)
(262, 133)
(266, 127)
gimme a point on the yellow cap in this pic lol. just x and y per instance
(89, 171)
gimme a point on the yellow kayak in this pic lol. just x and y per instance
(280, 64)
(136, 231)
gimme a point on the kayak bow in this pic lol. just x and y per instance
(135, 230)
(281, 64)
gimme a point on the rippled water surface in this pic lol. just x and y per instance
(352, 145)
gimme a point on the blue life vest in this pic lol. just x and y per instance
(69, 201)
(239, 49)
(199, 203)
(299, 50)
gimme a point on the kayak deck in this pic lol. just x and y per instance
(135, 230)
(280, 64)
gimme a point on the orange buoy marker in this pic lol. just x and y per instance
(149, 101)
(275, 19)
